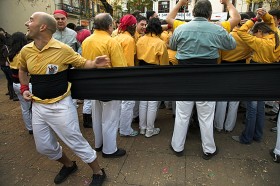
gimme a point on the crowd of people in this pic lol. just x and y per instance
(36, 63)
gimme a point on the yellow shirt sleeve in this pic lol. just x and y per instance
(177, 23)
(226, 25)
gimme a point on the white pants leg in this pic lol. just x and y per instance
(277, 147)
(151, 114)
(182, 120)
(206, 112)
(231, 115)
(136, 109)
(275, 107)
(106, 118)
(25, 106)
(220, 114)
(62, 118)
(87, 107)
(126, 117)
(143, 108)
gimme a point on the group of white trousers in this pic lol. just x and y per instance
(205, 112)
(25, 106)
(60, 118)
(225, 115)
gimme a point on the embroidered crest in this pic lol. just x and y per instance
(52, 69)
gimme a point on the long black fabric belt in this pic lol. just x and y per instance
(221, 82)
(47, 86)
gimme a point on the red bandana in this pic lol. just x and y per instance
(127, 20)
(60, 12)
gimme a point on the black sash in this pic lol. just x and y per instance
(215, 82)
(49, 86)
(196, 61)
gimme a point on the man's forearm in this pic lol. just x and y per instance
(173, 13)
(23, 77)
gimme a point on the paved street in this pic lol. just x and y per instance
(149, 161)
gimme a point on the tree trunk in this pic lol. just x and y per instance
(107, 7)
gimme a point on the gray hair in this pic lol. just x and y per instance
(202, 8)
(102, 21)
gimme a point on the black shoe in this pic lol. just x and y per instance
(275, 157)
(30, 131)
(99, 149)
(178, 154)
(119, 153)
(7, 94)
(208, 156)
(135, 120)
(65, 172)
(270, 113)
(87, 121)
(97, 179)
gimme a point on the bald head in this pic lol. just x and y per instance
(48, 20)
(103, 21)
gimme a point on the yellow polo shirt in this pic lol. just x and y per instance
(53, 58)
(15, 63)
(242, 50)
(128, 44)
(152, 49)
(165, 36)
(264, 48)
(101, 43)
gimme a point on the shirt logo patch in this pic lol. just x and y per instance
(52, 69)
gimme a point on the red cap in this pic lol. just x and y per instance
(60, 12)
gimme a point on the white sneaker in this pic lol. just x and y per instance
(153, 132)
(142, 131)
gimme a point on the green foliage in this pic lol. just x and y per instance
(133, 5)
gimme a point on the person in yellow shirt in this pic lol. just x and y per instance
(264, 42)
(140, 31)
(140, 27)
(47, 60)
(125, 38)
(226, 118)
(18, 40)
(228, 25)
(151, 50)
(105, 113)
(116, 31)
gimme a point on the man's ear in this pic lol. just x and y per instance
(43, 27)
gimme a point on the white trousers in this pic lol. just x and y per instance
(147, 114)
(25, 106)
(60, 118)
(87, 106)
(106, 118)
(126, 117)
(226, 117)
(277, 147)
(205, 112)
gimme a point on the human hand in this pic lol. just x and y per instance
(224, 2)
(102, 61)
(27, 95)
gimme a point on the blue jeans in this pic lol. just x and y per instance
(254, 122)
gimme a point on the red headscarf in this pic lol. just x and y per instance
(127, 20)
(82, 35)
(60, 12)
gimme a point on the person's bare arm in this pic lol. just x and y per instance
(24, 84)
(100, 61)
(173, 13)
(233, 13)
